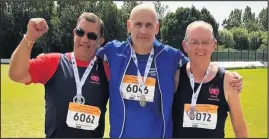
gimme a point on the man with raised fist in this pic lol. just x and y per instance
(76, 86)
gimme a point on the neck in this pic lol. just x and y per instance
(142, 50)
(198, 70)
(83, 58)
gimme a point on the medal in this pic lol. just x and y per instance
(79, 83)
(141, 82)
(143, 101)
(192, 113)
(79, 99)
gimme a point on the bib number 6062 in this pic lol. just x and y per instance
(82, 118)
(134, 88)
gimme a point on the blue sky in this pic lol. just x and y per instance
(219, 9)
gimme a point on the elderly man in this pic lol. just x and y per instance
(204, 95)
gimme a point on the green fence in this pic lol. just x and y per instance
(247, 55)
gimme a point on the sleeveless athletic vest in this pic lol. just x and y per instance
(61, 89)
(212, 93)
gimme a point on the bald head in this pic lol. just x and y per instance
(142, 8)
(143, 25)
(199, 24)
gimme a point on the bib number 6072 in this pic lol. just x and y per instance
(202, 116)
(134, 88)
(82, 118)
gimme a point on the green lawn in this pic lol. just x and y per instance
(22, 107)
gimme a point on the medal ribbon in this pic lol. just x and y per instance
(141, 83)
(195, 94)
(80, 83)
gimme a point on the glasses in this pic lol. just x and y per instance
(196, 42)
(91, 35)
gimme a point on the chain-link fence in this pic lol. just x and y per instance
(244, 55)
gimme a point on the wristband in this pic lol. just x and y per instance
(28, 41)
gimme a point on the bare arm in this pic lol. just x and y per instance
(20, 59)
(237, 81)
(19, 64)
(236, 114)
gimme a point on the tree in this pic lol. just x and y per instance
(160, 9)
(206, 16)
(175, 24)
(247, 16)
(126, 10)
(226, 38)
(263, 19)
(129, 5)
(240, 36)
(264, 38)
(15, 19)
(114, 27)
(249, 20)
(169, 30)
(66, 20)
(234, 20)
(255, 40)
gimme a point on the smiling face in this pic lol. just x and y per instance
(199, 43)
(88, 36)
(87, 39)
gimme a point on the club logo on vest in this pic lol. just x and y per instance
(214, 92)
(94, 79)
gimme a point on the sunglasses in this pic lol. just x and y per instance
(91, 35)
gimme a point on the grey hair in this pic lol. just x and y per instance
(200, 24)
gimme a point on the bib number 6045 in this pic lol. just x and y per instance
(82, 118)
(134, 88)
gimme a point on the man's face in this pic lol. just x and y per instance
(87, 38)
(143, 27)
(199, 44)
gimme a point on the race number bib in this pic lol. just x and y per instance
(131, 90)
(206, 116)
(83, 116)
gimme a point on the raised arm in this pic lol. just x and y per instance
(20, 59)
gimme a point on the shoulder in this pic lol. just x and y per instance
(170, 49)
(228, 76)
(49, 57)
(115, 44)
(111, 47)
(177, 55)
(174, 51)
(228, 88)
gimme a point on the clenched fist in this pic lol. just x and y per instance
(36, 28)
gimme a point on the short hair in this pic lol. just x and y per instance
(201, 24)
(91, 17)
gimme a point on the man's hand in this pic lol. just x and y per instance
(237, 82)
(36, 28)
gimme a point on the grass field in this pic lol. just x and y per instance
(22, 107)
